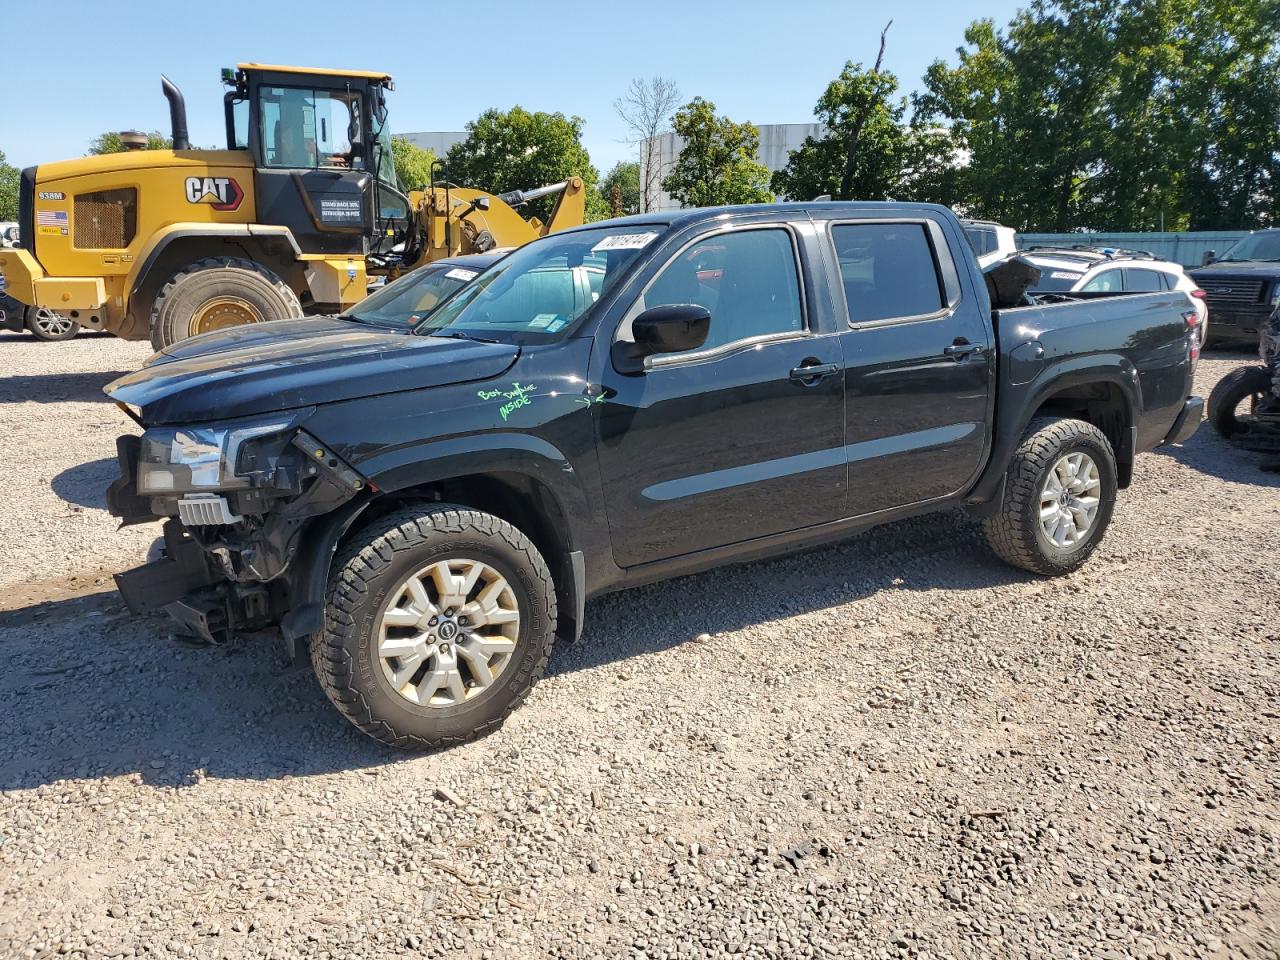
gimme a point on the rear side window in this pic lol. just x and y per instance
(1144, 281)
(747, 280)
(888, 270)
(1108, 281)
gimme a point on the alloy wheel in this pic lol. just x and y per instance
(448, 632)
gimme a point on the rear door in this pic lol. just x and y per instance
(919, 360)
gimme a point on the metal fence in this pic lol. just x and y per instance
(1187, 249)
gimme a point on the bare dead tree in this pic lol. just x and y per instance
(646, 109)
(851, 145)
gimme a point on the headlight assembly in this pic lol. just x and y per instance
(225, 456)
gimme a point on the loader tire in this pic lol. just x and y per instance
(472, 654)
(216, 293)
(1059, 493)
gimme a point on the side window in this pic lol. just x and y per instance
(1144, 281)
(888, 270)
(748, 281)
(240, 125)
(311, 128)
(1108, 281)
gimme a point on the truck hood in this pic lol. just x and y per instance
(264, 368)
(1237, 268)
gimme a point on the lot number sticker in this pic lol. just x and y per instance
(625, 241)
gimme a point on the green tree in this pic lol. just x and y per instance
(717, 163)
(519, 150)
(413, 164)
(863, 149)
(8, 189)
(110, 142)
(1117, 114)
(625, 177)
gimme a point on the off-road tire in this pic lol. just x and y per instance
(68, 328)
(370, 564)
(1014, 531)
(1230, 391)
(195, 285)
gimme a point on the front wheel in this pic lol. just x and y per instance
(49, 325)
(439, 621)
(1243, 386)
(1060, 490)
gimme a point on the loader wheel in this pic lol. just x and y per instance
(439, 621)
(1060, 490)
(217, 293)
(1243, 385)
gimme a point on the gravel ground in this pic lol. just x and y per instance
(57, 455)
(896, 747)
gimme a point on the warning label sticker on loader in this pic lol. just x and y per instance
(343, 211)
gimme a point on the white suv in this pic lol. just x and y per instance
(1107, 270)
(991, 241)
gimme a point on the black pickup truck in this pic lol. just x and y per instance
(428, 503)
(1242, 287)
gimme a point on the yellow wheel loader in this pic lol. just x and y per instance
(293, 217)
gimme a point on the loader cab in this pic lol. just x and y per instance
(321, 149)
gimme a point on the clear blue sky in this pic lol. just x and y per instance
(73, 70)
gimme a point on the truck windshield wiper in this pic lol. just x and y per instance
(459, 335)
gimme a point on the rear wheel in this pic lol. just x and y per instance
(49, 325)
(439, 622)
(1235, 396)
(1060, 490)
(217, 293)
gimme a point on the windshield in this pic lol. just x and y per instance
(537, 293)
(406, 302)
(1257, 246)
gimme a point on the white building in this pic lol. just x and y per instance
(777, 140)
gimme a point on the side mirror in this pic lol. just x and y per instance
(673, 328)
(1208, 258)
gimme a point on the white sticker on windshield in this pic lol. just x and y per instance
(462, 273)
(1064, 275)
(625, 241)
(543, 320)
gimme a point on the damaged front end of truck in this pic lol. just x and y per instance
(236, 499)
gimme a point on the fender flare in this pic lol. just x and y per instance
(1111, 368)
(162, 238)
(405, 468)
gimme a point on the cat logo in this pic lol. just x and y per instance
(221, 193)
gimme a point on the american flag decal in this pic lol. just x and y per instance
(51, 218)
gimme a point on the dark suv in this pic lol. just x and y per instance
(1242, 286)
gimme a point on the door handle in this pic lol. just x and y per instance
(810, 373)
(962, 348)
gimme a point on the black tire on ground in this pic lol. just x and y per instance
(1230, 391)
(368, 573)
(1015, 532)
(251, 289)
(49, 326)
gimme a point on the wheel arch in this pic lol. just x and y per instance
(181, 244)
(509, 484)
(1100, 390)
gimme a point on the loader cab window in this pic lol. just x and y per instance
(303, 128)
(239, 128)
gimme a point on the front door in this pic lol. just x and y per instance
(734, 440)
(919, 361)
